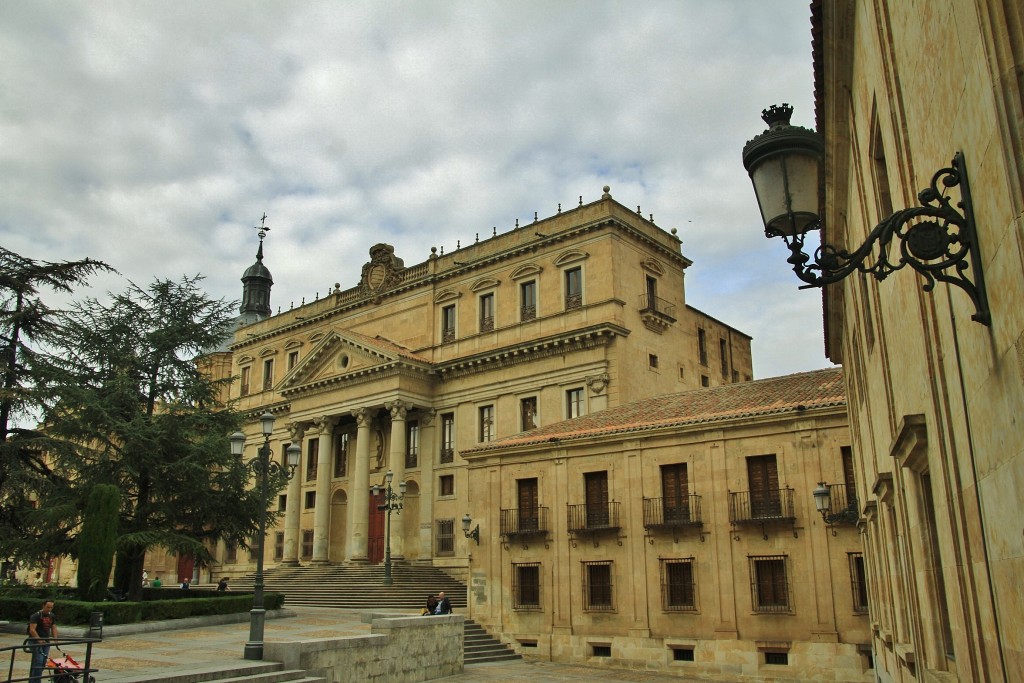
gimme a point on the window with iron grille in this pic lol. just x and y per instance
(447, 437)
(341, 442)
(526, 585)
(769, 584)
(573, 288)
(307, 544)
(268, 374)
(412, 443)
(448, 323)
(678, 593)
(312, 454)
(486, 423)
(279, 545)
(528, 301)
(858, 583)
(597, 586)
(445, 537)
(487, 312)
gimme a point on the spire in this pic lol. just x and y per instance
(257, 281)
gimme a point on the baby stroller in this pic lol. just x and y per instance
(65, 669)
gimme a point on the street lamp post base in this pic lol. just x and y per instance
(253, 651)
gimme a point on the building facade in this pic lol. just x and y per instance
(935, 397)
(557, 319)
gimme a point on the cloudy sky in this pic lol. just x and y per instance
(153, 136)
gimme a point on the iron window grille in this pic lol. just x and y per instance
(597, 586)
(487, 313)
(769, 584)
(573, 288)
(678, 589)
(526, 586)
(448, 324)
(445, 537)
(528, 301)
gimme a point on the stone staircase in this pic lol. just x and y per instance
(268, 672)
(362, 587)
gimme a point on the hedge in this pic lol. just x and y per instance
(19, 607)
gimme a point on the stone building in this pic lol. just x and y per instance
(679, 533)
(564, 317)
(935, 379)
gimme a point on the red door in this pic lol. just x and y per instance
(186, 567)
(375, 534)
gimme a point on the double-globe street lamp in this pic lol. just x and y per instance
(392, 501)
(262, 466)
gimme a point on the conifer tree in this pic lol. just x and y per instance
(97, 542)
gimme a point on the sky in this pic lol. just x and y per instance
(154, 135)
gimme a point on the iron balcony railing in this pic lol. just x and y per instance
(760, 506)
(594, 516)
(448, 335)
(524, 521)
(672, 512)
(653, 304)
(842, 504)
(487, 323)
(527, 312)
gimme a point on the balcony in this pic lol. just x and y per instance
(673, 514)
(656, 313)
(522, 524)
(762, 508)
(842, 505)
(593, 520)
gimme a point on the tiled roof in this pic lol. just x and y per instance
(789, 393)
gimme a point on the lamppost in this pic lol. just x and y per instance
(392, 501)
(823, 503)
(475, 533)
(262, 466)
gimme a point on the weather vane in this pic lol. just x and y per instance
(262, 227)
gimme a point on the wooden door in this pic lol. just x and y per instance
(596, 484)
(764, 486)
(848, 480)
(375, 532)
(529, 513)
(675, 492)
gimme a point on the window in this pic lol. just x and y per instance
(776, 658)
(702, 345)
(675, 493)
(597, 586)
(279, 545)
(310, 500)
(526, 585)
(768, 584)
(246, 374)
(412, 443)
(230, 554)
(445, 537)
(487, 312)
(448, 323)
(307, 544)
(528, 301)
(282, 503)
(601, 650)
(574, 403)
(448, 437)
(763, 477)
(528, 413)
(682, 654)
(723, 351)
(268, 374)
(652, 294)
(573, 288)
(486, 432)
(704, 381)
(858, 583)
(677, 587)
(312, 454)
(652, 361)
(341, 442)
(446, 485)
(293, 359)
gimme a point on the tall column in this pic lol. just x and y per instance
(359, 495)
(293, 504)
(396, 463)
(322, 511)
(428, 456)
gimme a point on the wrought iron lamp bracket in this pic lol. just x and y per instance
(935, 239)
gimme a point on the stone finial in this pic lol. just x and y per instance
(433, 252)
(607, 192)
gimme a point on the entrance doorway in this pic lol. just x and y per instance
(375, 534)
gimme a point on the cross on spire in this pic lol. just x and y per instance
(262, 227)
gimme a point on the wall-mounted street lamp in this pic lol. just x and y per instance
(475, 533)
(823, 503)
(392, 501)
(934, 239)
(263, 467)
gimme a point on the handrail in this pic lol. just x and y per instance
(50, 673)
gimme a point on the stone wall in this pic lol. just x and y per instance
(398, 650)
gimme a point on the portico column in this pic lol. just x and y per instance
(322, 511)
(292, 504)
(396, 463)
(428, 455)
(359, 496)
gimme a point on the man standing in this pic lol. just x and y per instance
(444, 605)
(186, 584)
(42, 626)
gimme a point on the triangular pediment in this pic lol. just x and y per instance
(334, 355)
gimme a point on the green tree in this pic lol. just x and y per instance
(27, 328)
(98, 541)
(137, 410)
